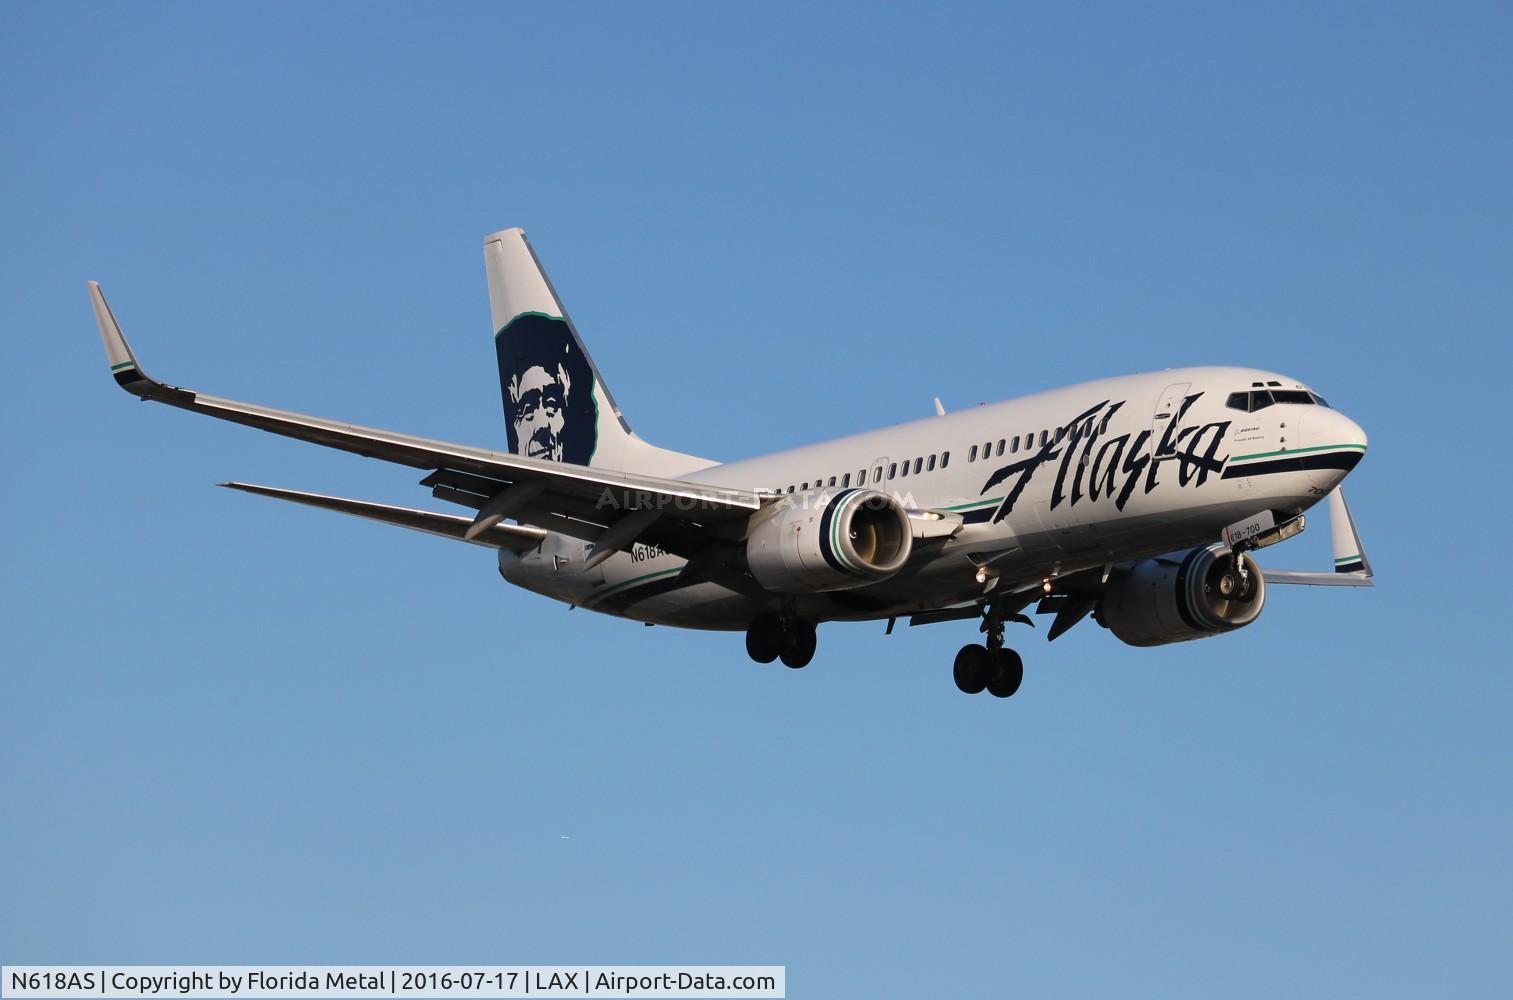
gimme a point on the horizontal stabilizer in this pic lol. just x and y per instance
(516, 538)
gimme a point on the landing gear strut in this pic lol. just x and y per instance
(771, 637)
(991, 666)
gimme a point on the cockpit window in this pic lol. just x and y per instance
(1260, 399)
(1321, 401)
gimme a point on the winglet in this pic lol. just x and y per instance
(123, 363)
(1349, 553)
(1351, 567)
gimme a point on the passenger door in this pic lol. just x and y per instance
(1164, 420)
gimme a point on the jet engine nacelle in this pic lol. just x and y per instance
(1182, 596)
(829, 540)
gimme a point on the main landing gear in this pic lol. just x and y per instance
(790, 639)
(991, 667)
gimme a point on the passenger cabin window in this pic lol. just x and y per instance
(972, 455)
(1001, 443)
(919, 464)
(806, 486)
(846, 479)
(892, 470)
(832, 480)
(945, 459)
(906, 469)
(877, 474)
(931, 466)
(861, 477)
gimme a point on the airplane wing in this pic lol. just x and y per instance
(1351, 567)
(680, 516)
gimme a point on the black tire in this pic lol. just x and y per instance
(972, 668)
(1007, 675)
(764, 638)
(799, 644)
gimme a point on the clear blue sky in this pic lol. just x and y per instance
(237, 731)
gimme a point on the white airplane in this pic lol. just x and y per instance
(1137, 499)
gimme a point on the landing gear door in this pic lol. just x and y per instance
(1164, 420)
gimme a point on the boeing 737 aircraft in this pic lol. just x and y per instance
(1136, 500)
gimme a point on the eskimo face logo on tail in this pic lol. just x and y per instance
(1095, 466)
(548, 388)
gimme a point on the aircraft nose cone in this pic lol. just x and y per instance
(1341, 430)
(1335, 444)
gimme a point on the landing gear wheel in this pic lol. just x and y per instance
(1008, 675)
(764, 638)
(799, 641)
(973, 669)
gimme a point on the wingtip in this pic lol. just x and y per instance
(118, 353)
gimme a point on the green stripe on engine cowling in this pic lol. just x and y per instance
(835, 535)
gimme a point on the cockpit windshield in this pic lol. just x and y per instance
(1259, 399)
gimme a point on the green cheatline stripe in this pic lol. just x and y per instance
(633, 580)
(1299, 451)
(974, 504)
(1354, 558)
(123, 364)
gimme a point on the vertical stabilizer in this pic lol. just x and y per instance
(556, 405)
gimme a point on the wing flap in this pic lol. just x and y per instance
(516, 538)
